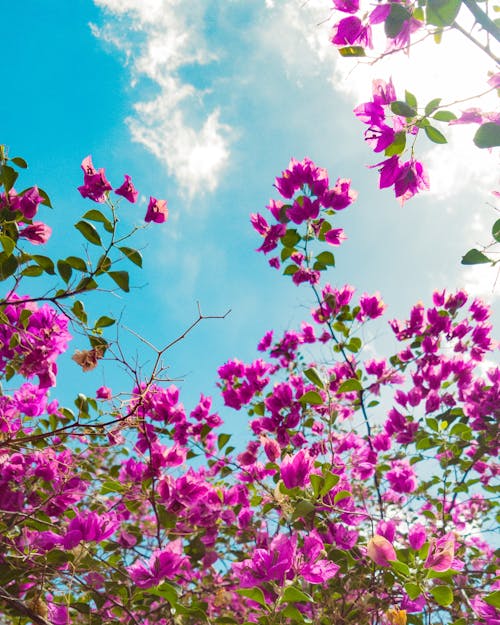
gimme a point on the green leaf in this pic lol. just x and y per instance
(475, 257)
(290, 238)
(104, 322)
(493, 599)
(32, 271)
(313, 376)
(413, 590)
(46, 263)
(431, 106)
(331, 480)
(121, 278)
(343, 494)
(46, 200)
(398, 144)
(294, 594)
(8, 177)
(487, 135)
(64, 270)
(79, 311)
(401, 108)
(442, 12)
(316, 483)
(350, 385)
(7, 244)
(443, 595)
(222, 440)
(86, 284)
(311, 397)
(435, 135)
(395, 22)
(303, 508)
(400, 567)
(20, 162)
(255, 594)
(354, 345)
(166, 591)
(410, 99)
(444, 116)
(89, 232)
(495, 231)
(97, 215)
(76, 263)
(326, 258)
(8, 266)
(289, 270)
(133, 255)
(352, 51)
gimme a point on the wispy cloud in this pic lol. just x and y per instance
(159, 38)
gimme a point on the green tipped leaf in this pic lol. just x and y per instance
(76, 263)
(435, 135)
(133, 255)
(410, 99)
(495, 231)
(475, 257)
(487, 135)
(97, 215)
(64, 270)
(493, 599)
(121, 278)
(311, 397)
(398, 144)
(443, 595)
(431, 106)
(444, 116)
(401, 108)
(89, 232)
(442, 12)
(20, 162)
(350, 385)
(326, 258)
(313, 376)
(104, 322)
(352, 51)
(255, 594)
(295, 595)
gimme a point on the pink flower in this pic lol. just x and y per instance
(417, 536)
(295, 470)
(163, 564)
(441, 553)
(371, 306)
(103, 392)
(95, 186)
(350, 31)
(411, 179)
(335, 236)
(127, 190)
(347, 6)
(157, 211)
(28, 202)
(37, 233)
(381, 551)
(402, 477)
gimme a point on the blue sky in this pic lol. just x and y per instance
(203, 104)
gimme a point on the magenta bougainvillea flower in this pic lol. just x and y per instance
(157, 211)
(37, 233)
(95, 186)
(127, 190)
(164, 563)
(441, 553)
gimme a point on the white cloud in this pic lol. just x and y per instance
(158, 38)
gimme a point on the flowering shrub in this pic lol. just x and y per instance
(365, 493)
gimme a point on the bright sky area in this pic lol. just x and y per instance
(203, 104)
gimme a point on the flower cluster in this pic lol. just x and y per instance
(310, 200)
(96, 187)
